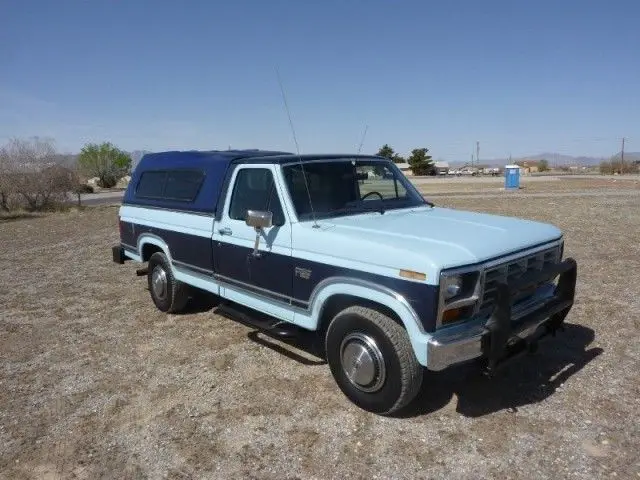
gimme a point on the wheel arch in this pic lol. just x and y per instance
(341, 301)
(149, 244)
(338, 294)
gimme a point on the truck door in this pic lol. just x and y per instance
(253, 187)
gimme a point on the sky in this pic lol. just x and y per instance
(520, 77)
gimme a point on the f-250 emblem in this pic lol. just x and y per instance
(303, 273)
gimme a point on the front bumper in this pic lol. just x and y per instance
(506, 334)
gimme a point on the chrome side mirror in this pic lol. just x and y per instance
(259, 220)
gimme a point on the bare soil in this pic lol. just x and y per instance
(96, 383)
(466, 185)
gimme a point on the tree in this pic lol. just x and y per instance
(387, 152)
(29, 171)
(420, 162)
(104, 161)
(543, 166)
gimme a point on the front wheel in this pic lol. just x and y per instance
(372, 360)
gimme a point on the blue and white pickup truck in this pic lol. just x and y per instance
(345, 246)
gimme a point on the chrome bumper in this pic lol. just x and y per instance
(495, 341)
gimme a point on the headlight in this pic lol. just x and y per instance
(459, 295)
(452, 286)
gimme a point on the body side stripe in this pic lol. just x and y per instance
(195, 268)
(168, 209)
(189, 223)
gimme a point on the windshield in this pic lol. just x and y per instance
(345, 187)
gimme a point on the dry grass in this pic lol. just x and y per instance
(95, 382)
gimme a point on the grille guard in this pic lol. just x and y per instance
(497, 345)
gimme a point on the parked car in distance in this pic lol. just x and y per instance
(344, 246)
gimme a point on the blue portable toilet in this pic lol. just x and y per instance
(511, 177)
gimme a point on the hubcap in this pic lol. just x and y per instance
(159, 282)
(362, 362)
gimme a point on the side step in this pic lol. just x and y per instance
(270, 326)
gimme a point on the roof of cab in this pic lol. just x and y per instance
(281, 158)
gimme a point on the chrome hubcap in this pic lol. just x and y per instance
(159, 282)
(362, 362)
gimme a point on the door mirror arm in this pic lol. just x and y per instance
(259, 220)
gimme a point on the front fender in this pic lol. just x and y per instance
(372, 293)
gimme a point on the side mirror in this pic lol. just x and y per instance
(258, 220)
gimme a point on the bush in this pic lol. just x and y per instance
(615, 165)
(30, 176)
(105, 161)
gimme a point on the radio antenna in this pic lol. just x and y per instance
(364, 134)
(295, 140)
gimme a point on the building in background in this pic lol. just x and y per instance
(405, 168)
(442, 168)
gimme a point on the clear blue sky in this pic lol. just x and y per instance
(522, 77)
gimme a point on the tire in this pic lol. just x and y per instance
(372, 360)
(167, 293)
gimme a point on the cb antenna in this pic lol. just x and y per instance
(295, 140)
(364, 134)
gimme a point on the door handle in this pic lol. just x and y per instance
(225, 231)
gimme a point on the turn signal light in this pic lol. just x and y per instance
(450, 316)
(413, 275)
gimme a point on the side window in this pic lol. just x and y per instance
(255, 189)
(183, 185)
(180, 185)
(151, 185)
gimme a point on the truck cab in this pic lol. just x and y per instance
(346, 247)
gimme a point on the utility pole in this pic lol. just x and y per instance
(622, 157)
(478, 153)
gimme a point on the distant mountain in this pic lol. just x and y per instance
(556, 159)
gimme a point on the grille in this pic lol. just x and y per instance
(513, 269)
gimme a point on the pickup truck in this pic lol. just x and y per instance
(346, 247)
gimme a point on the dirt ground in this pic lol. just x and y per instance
(536, 185)
(96, 383)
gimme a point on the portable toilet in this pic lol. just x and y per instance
(511, 177)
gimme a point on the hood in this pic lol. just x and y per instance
(443, 237)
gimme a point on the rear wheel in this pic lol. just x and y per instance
(167, 293)
(372, 360)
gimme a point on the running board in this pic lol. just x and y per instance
(270, 326)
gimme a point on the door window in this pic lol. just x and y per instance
(255, 189)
